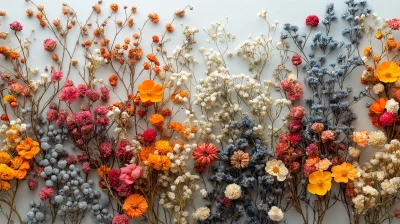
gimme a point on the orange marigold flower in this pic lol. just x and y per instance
(9, 99)
(5, 158)
(149, 91)
(176, 126)
(114, 7)
(165, 163)
(28, 148)
(169, 27)
(379, 105)
(4, 186)
(145, 152)
(6, 173)
(155, 39)
(135, 206)
(102, 171)
(166, 112)
(113, 80)
(157, 120)
(21, 167)
(163, 147)
(153, 17)
(14, 55)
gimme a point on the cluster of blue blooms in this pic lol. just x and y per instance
(73, 194)
(259, 190)
(328, 62)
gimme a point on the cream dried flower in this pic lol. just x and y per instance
(201, 213)
(392, 106)
(233, 191)
(378, 88)
(277, 168)
(377, 139)
(275, 214)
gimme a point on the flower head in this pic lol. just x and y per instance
(320, 182)
(135, 206)
(233, 191)
(296, 60)
(361, 138)
(49, 45)
(275, 214)
(312, 20)
(379, 105)
(16, 26)
(28, 148)
(205, 154)
(240, 159)
(130, 173)
(388, 72)
(277, 168)
(394, 24)
(149, 91)
(344, 172)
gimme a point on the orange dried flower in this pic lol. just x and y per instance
(96, 8)
(29, 12)
(391, 44)
(176, 126)
(166, 112)
(240, 159)
(14, 104)
(55, 58)
(169, 27)
(157, 70)
(146, 65)
(379, 105)
(153, 17)
(155, 39)
(152, 58)
(144, 153)
(135, 53)
(102, 171)
(114, 7)
(5, 158)
(20, 166)
(131, 22)
(39, 15)
(367, 51)
(14, 55)
(28, 148)
(136, 35)
(113, 80)
(43, 23)
(157, 120)
(149, 91)
(378, 35)
(6, 173)
(163, 147)
(9, 99)
(135, 206)
(4, 186)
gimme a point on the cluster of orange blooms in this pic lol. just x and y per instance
(12, 100)
(9, 53)
(18, 166)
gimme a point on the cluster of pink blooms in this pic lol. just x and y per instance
(70, 93)
(121, 187)
(293, 88)
(288, 148)
(46, 193)
(130, 173)
(17, 88)
(16, 26)
(394, 24)
(120, 219)
(122, 153)
(56, 75)
(49, 45)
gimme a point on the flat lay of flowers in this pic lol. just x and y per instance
(123, 125)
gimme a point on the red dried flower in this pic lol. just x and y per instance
(32, 184)
(312, 20)
(149, 135)
(296, 60)
(205, 154)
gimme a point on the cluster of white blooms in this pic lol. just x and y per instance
(180, 78)
(135, 148)
(392, 106)
(95, 60)
(378, 179)
(233, 191)
(11, 134)
(201, 213)
(275, 214)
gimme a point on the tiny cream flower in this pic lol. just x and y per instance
(201, 213)
(277, 168)
(275, 214)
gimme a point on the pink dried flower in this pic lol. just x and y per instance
(69, 94)
(92, 95)
(394, 24)
(105, 93)
(87, 130)
(327, 136)
(16, 26)
(68, 82)
(56, 75)
(86, 167)
(84, 118)
(46, 193)
(294, 167)
(120, 219)
(121, 152)
(105, 149)
(297, 113)
(130, 173)
(104, 121)
(32, 184)
(317, 127)
(294, 126)
(100, 110)
(312, 150)
(49, 45)
(312, 20)
(113, 178)
(17, 88)
(82, 89)
(71, 160)
(124, 189)
(387, 119)
(308, 170)
(51, 115)
(149, 135)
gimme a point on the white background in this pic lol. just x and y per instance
(243, 21)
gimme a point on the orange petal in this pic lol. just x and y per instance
(144, 97)
(146, 85)
(155, 98)
(157, 89)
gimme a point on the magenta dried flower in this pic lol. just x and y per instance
(16, 26)
(49, 45)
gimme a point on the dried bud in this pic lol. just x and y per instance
(3, 35)
(180, 13)
(3, 13)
